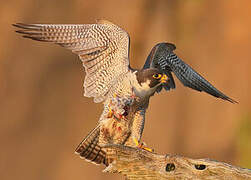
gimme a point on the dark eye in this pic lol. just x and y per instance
(157, 76)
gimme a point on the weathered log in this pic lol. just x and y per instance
(135, 163)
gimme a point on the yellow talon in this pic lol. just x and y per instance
(148, 149)
(141, 146)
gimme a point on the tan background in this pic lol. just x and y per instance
(44, 115)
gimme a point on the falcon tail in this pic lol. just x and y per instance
(90, 150)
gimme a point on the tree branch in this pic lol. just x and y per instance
(139, 164)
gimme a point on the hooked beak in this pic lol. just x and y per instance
(164, 79)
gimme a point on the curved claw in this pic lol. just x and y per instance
(148, 149)
(142, 145)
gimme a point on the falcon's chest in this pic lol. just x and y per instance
(142, 90)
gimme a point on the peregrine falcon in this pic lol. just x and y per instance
(125, 92)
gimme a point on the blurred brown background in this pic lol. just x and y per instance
(44, 115)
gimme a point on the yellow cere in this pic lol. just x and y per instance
(164, 78)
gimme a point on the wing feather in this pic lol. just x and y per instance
(163, 57)
(102, 47)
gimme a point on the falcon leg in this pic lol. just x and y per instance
(142, 145)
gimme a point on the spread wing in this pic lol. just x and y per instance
(102, 47)
(163, 57)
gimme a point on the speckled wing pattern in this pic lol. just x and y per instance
(163, 57)
(102, 47)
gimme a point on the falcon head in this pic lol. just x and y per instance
(148, 80)
(151, 77)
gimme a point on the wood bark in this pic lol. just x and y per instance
(135, 163)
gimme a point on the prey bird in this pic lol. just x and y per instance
(125, 92)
